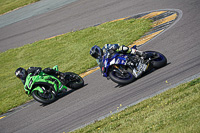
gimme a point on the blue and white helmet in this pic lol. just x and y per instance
(96, 52)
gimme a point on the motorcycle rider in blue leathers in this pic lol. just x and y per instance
(98, 53)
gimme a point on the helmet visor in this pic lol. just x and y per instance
(20, 74)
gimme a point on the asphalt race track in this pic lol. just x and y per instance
(180, 44)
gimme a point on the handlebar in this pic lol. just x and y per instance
(37, 72)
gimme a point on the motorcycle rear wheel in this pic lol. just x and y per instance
(126, 78)
(43, 98)
(159, 61)
(77, 83)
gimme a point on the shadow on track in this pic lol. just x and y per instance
(143, 75)
(63, 94)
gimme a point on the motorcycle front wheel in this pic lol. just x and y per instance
(44, 98)
(120, 78)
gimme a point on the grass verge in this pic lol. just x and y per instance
(69, 51)
(174, 111)
(9, 5)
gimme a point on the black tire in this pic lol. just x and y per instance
(43, 98)
(122, 80)
(77, 83)
(159, 61)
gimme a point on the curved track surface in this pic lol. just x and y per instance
(180, 44)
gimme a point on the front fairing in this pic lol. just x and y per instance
(42, 78)
(109, 60)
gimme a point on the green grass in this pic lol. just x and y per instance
(9, 5)
(174, 111)
(69, 51)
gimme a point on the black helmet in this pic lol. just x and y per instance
(96, 52)
(21, 73)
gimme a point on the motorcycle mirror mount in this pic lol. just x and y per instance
(55, 67)
(135, 47)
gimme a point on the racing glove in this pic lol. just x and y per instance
(137, 52)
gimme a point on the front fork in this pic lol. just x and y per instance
(51, 89)
(119, 69)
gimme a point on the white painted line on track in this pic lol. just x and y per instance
(31, 10)
(140, 100)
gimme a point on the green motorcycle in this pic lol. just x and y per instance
(45, 88)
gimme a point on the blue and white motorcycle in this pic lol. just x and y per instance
(126, 68)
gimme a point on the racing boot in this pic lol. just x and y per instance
(61, 77)
(132, 61)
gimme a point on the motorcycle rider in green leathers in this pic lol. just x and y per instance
(22, 73)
